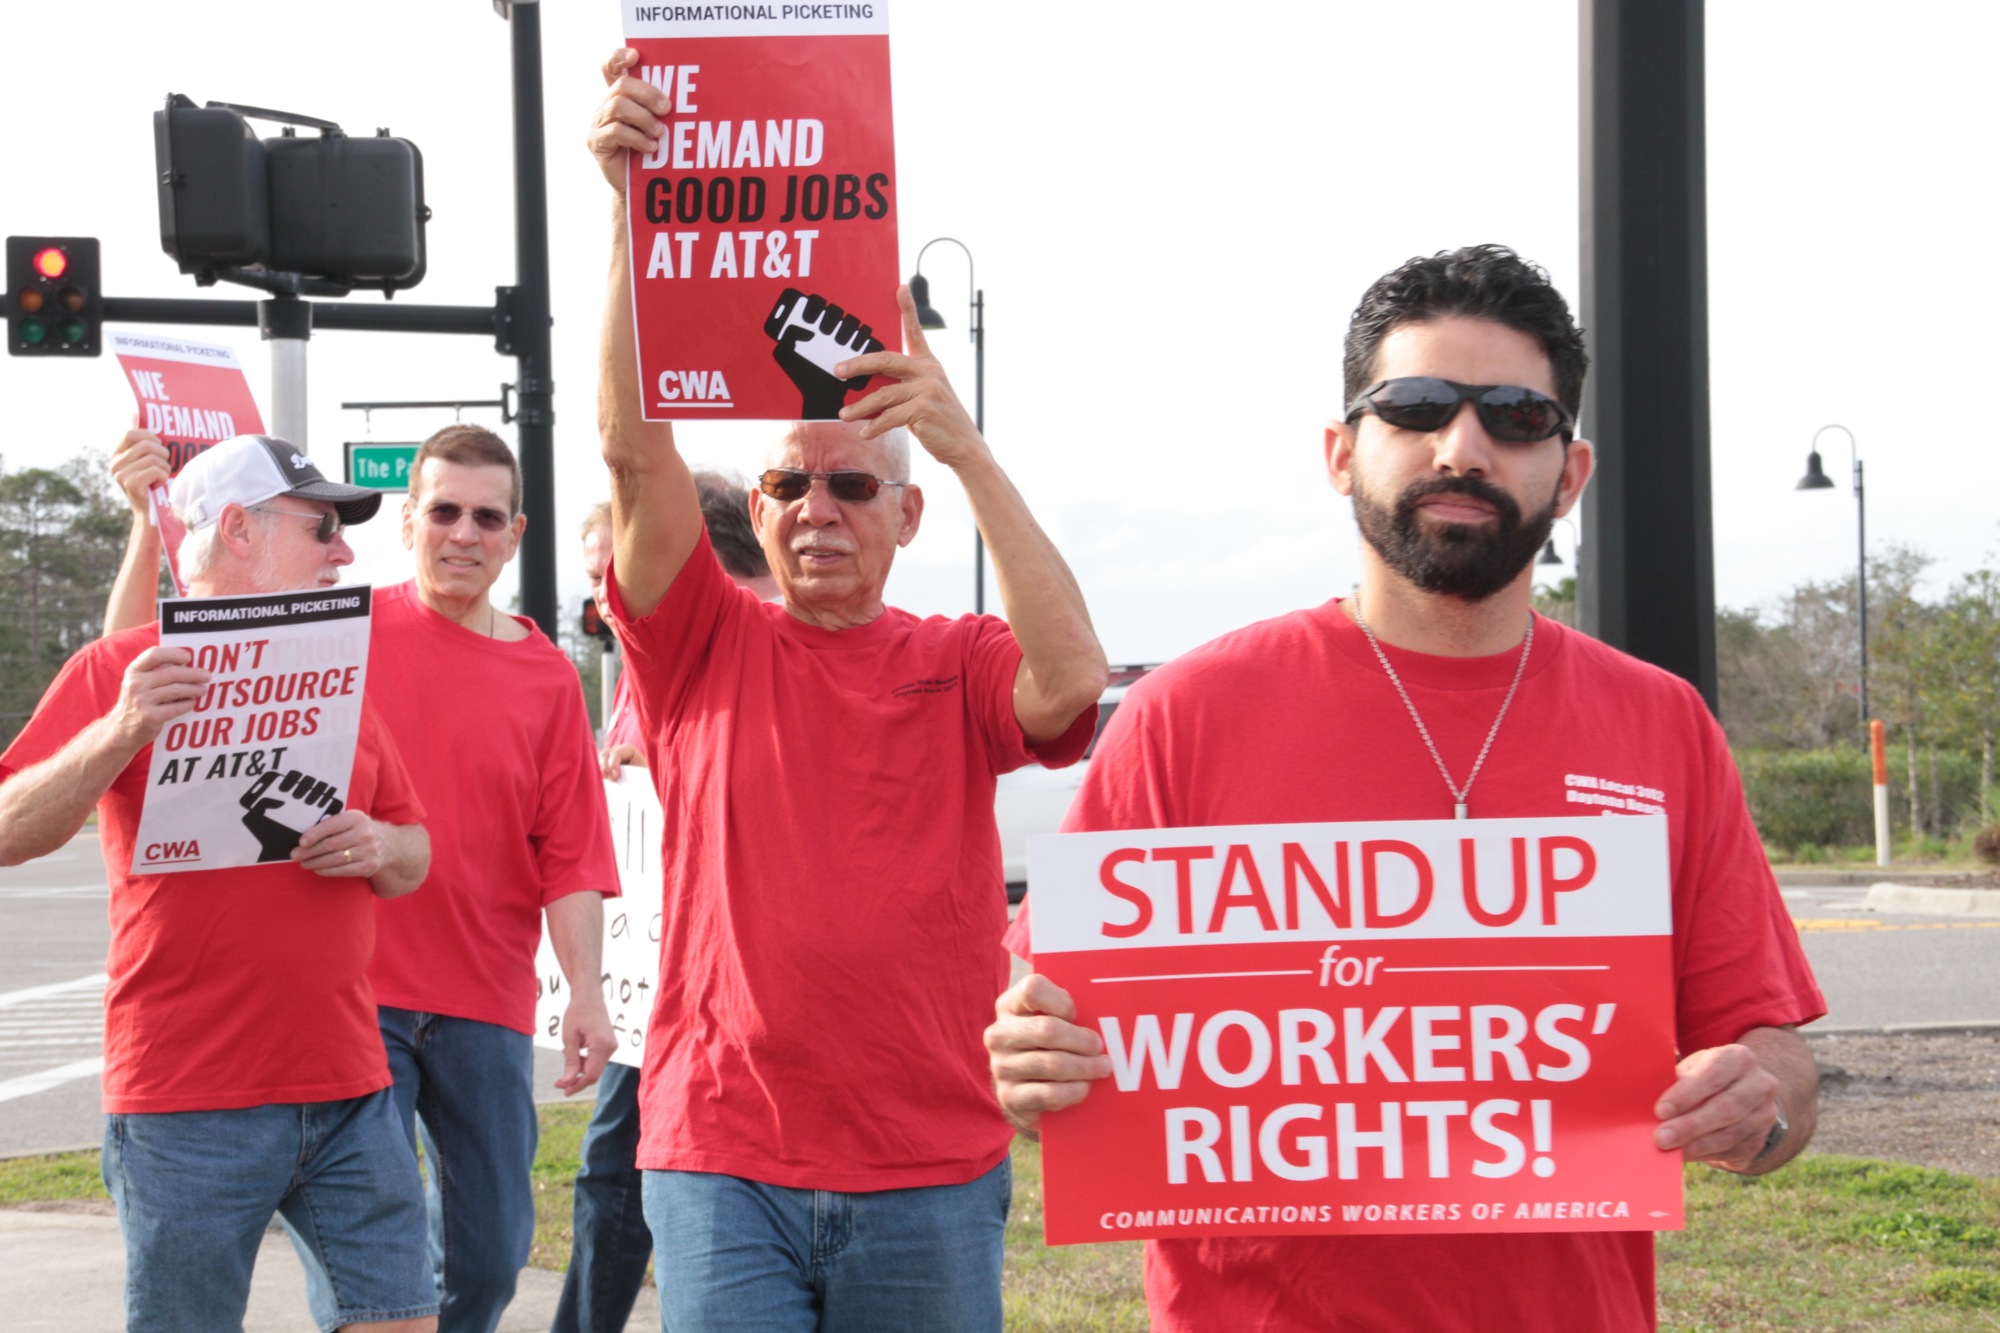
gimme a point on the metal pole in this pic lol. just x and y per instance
(978, 421)
(1646, 582)
(535, 430)
(286, 323)
(1861, 574)
(608, 664)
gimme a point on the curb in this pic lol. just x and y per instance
(1930, 901)
(1958, 1028)
(60, 1151)
(1792, 878)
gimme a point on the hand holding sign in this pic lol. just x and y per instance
(347, 845)
(1041, 1060)
(160, 685)
(139, 463)
(303, 801)
(814, 337)
(627, 120)
(1722, 1106)
(921, 400)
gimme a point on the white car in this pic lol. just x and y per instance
(1034, 799)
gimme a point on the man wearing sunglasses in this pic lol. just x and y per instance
(1431, 693)
(492, 717)
(243, 1071)
(820, 1144)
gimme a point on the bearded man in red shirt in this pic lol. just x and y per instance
(1464, 375)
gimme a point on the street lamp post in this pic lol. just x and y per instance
(1816, 479)
(920, 293)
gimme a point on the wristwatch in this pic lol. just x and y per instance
(1778, 1131)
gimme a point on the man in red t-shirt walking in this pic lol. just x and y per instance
(820, 1145)
(1435, 691)
(243, 1074)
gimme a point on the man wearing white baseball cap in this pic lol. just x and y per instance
(243, 1070)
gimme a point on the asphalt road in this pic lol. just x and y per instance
(53, 935)
(1874, 969)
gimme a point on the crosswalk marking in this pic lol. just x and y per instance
(8, 999)
(39, 1024)
(29, 1084)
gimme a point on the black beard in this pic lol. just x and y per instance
(1464, 560)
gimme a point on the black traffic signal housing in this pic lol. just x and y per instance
(55, 296)
(314, 215)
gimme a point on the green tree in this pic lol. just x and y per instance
(1903, 684)
(1966, 656)
(61, 535)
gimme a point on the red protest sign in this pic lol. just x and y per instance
(190, 394)
(1440, 1026)
(764, 229)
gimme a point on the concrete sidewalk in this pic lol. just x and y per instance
(65, 1273)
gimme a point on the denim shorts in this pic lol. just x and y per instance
(195, 1191)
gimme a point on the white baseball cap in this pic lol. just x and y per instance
(250, 469)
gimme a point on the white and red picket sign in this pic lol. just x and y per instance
(763, 230)
(1423, 1027)
(190, 394)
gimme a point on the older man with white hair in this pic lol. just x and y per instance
(821, 1146)
(243, 1072)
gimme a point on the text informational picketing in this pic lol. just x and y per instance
(764, 228)
(1410, 1027)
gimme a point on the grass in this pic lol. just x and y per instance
(1829, 1245)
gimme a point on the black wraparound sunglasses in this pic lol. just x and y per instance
(1510, 413)
(850, 485)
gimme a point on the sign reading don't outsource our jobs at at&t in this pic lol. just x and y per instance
(1402, 1028)
(381, 467)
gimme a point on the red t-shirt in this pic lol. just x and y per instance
(498, 742)
(1293, 720)
(622, 727)
(833, 891)
(229, 988)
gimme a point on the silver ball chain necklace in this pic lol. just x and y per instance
(1458, 793)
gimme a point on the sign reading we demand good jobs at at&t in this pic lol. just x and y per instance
(268, 750)
(1408, 1028)
(763, 229)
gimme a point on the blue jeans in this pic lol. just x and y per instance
(734, 1254)
(196, 1189)
(610, 1240)
(466, 1089)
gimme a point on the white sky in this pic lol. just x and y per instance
(1172, 220)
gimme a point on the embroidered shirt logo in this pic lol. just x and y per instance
(928, 685)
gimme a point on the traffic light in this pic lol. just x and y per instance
(319, 215)
(55, 298)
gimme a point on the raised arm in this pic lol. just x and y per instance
(655, 509)
(139, 461)
(1062, 665)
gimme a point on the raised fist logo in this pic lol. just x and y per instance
(299, 803)
(813, 336)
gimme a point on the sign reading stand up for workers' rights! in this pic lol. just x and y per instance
(763, 229)
(1420, 1027)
